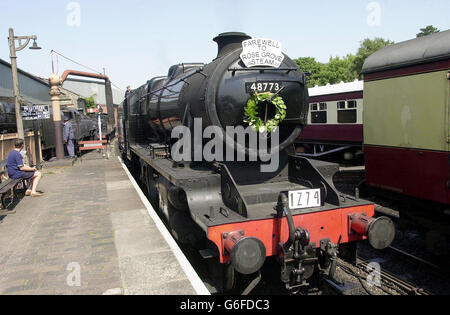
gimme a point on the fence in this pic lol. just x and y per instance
(7, 145)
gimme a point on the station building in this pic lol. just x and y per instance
(35, 90)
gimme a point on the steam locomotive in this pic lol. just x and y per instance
(232, 212)
(83, 126)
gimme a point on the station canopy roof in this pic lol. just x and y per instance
(430, 48)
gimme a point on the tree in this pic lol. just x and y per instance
(337, 70)
(89, 103)
(309, 64)
(430, 29)
(367, 48)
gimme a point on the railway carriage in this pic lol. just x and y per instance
(335, 122)
(232, 212)
(406, 118)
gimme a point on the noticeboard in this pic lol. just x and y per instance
(35, 112)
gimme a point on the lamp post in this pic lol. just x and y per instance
(55, 81)
(13, 49)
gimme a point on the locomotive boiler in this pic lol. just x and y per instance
(235, 214)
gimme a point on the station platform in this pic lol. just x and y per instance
(93, 232)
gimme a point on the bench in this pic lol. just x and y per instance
(7, 185)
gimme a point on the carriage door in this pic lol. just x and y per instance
(447, 108)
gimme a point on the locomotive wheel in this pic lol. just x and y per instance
(135, 165)
(223, 277)
(229, 278)
(153, 194)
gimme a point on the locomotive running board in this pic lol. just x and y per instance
(302, 171)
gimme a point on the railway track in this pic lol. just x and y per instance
(382, 283)
(415, 259)
(394, 282)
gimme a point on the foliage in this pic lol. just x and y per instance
(367, 48)
(430, 29)
(251, 112)
(90, 103)
(338, 69)
(309, 64)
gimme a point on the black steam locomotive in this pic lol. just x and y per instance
(232, 212)
(83, 126)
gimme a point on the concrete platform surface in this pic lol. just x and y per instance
(92, 233)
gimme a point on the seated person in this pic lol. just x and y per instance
(17, 169)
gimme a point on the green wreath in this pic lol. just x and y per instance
(251, 112)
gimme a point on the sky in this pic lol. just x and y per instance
(135, 40)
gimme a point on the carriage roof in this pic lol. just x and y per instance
(431, 48)
(340, 88)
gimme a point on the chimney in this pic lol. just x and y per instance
(230, 41)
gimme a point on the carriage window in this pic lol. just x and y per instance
(347, 116)
(319, 113)
(351, 104)
(319, 117)
(347, 113)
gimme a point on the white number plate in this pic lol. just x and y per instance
(308, 198)
(260, 87)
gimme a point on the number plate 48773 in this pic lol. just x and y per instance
(260, 87)
(301, 199)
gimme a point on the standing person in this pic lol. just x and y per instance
(17, 169)
(68, 137)
(128, 92)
